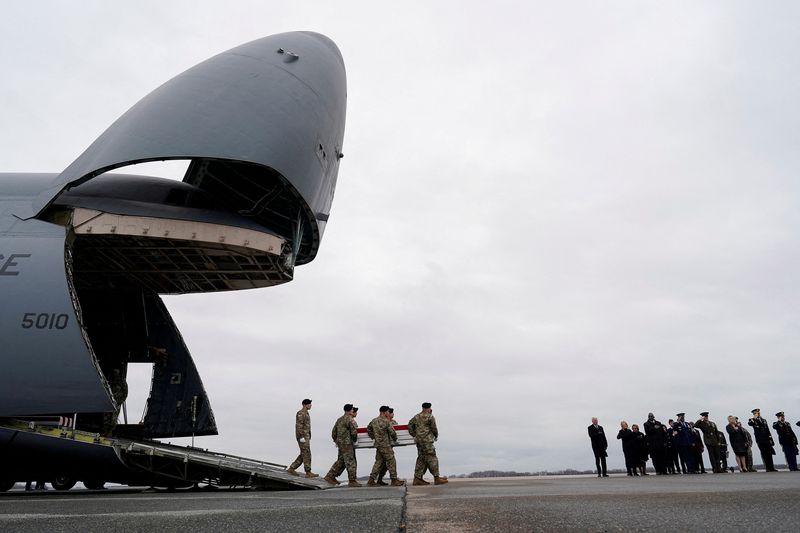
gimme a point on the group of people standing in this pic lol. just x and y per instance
(677, 447)
(382, 431)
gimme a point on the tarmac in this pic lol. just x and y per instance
(708, 503)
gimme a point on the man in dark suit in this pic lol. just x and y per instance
(599, 447)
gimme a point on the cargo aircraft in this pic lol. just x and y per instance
(86, 253)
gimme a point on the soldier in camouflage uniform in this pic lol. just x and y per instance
(381, 431)
(302, 433)
(345, 434)
(423, 428)
(384, 470)
(711, 440)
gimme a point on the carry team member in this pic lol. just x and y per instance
(423, 428)
(302, 433)
(381, 431)
(345, 434)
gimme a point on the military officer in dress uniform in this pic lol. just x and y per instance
(599, 447)
(787, 440)
(711, 440)
(302, 433)
(684, 439)
(763, 439)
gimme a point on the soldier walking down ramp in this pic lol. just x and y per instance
(381, 431)
(423, 428)
(302, 433)
(344, 434)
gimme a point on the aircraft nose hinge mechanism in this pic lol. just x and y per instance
(288, 56)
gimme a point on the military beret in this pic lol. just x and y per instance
(306, 401)
(426, 405)
(348, 407)
(680, 414)
(383, 408)
(391, 409)
(754, 411)
(355, 409)
(704, 413)
(779, 413)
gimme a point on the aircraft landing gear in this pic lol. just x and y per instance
(6, 484)
(63, 482)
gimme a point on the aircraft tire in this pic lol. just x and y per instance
(63, 482)
(93, 484)
(6, 484)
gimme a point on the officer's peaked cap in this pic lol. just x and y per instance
(680, 414)
(779, 413)
(754, 411)
(704, 413)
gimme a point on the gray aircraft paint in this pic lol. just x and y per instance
(285, 111)
(276, 103)
(46, 363)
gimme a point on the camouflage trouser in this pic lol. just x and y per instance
(426, 460)
(346, 459)
(304, 458)
(384, 460)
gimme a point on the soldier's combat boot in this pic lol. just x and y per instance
(439, 480)
(398, 482)
(330, 479)
(309, 475)
(292, 471)
(382, 483)
(354, 483)
(372, 483)
(419, 481)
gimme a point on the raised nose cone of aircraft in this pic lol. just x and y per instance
(262, 124)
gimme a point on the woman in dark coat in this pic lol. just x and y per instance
(738, 442)
(640, 449)
(629, 448)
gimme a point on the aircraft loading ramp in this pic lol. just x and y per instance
(191, 464)
(85, 456)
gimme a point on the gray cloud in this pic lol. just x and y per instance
(544, 214)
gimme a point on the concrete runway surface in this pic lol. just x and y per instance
(722, 502)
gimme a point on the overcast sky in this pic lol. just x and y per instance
(546, 212)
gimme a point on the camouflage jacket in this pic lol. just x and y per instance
(381, 431)
(423, 427)
(709, 430)
(345, 431)
(302, 425)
